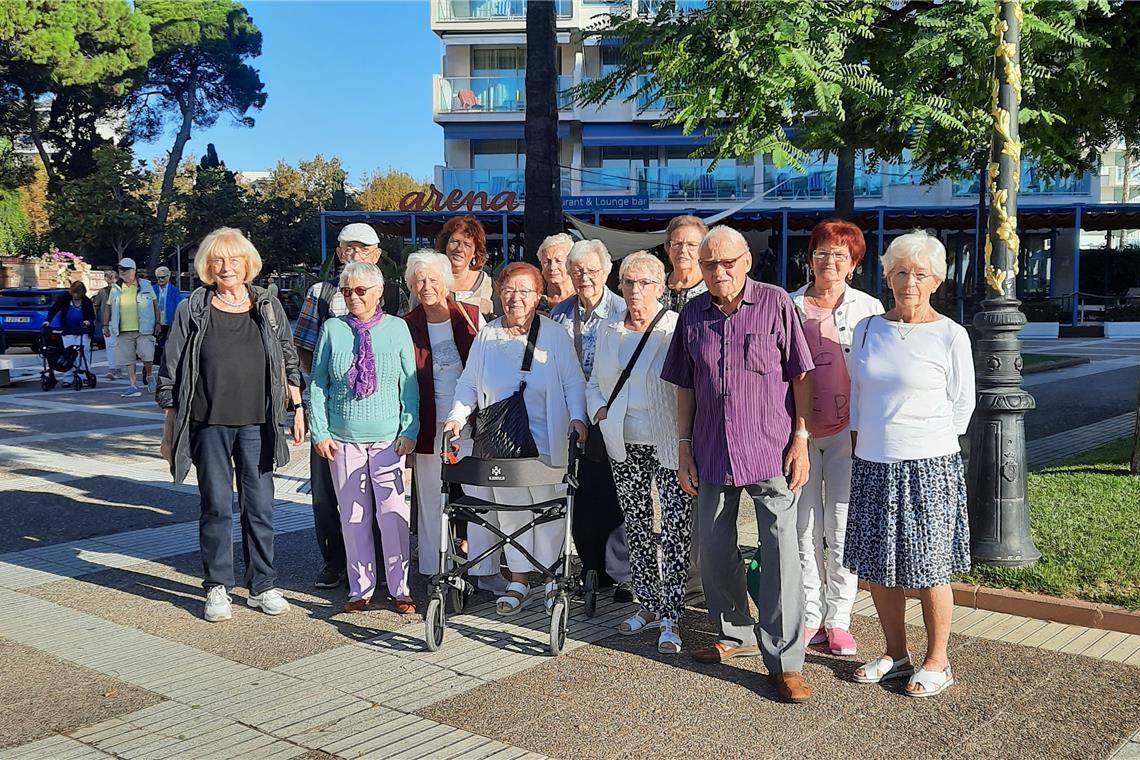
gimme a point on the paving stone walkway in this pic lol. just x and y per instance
(491, 691)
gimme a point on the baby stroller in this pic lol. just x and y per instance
(58, 358)
(501, 473)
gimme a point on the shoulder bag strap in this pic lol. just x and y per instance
(577, 330)
(531, 340)
(628, 369)
(467, 317)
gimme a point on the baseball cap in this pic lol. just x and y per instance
(358, 232)
(127, 264)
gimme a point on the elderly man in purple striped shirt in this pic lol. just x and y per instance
(740, 363)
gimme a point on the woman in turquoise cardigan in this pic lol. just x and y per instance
(364, 403)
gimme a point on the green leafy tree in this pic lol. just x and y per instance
(382, 190)
(316, 180)
(105, 213)
(198, 72)
(48, 46)
(216, 199)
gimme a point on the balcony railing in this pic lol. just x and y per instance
(493, 181)
(498, 10)
(652, 100)
(672, 183)
(651, 7)
(1034, 182)
(818, 183)
(490, 94)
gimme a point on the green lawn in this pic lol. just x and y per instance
(1028, 360)
(1085, 514)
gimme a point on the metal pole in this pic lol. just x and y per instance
(782, 270)
(877, 264)
(999, 505)
(1076, 262)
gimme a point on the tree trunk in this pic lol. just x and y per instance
(37, 138)
(167, 191)
(542, 213)
(1126, 185)
(845, 182)
(1134, 466)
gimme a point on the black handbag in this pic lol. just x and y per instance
(502, 430)
(595, 448)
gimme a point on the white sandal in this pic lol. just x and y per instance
(884, 669)
(933, 682)
(507, 604)
(551, 590)
(668, 642)
(637, 623)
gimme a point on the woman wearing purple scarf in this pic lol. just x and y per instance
(364, 419)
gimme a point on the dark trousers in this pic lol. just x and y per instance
(217, 451)
(598, 527)
(326, 518)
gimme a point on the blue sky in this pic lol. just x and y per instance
(346, 79)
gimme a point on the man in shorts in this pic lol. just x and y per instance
(131, 315)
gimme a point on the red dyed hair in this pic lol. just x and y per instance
(838, 232)
(464, 225)
(516, 268)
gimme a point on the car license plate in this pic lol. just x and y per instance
(17, 320)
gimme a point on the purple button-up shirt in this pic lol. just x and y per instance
(740, 368)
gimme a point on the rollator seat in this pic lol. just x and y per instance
(470, 502)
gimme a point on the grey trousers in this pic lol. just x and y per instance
(781, 603)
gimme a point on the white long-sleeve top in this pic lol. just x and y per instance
(912, 388)
(555, 390)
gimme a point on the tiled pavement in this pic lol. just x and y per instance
(363, 699)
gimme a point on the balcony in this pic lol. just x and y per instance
(672, 183)
(491, 94)
(492, 181)
(818, 183)
(1033, 182)
(652, 7)
(652, 100)
(493, 10)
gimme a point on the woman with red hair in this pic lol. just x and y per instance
(464, 242)
(830, 308)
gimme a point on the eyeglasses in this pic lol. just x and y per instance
(902, 276)
(355, 247)
(231, 262)
(725, 264)
(678, 245)
(590, 273)
(836, 256)
(521, 292)
(359, 290)
(638, 284)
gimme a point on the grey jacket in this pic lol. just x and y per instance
(178, 375)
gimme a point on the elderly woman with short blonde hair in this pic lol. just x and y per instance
(683, 239)
(553, 257)
(912, 395)
(229, 371)
(638, 420)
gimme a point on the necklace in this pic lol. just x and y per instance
(232, 304)
(913, 326)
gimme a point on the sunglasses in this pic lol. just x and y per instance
(359, 290)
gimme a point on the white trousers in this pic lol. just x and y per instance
(428, 474)
(111, 341)
(829, 587)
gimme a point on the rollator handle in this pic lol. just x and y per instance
(449, 450)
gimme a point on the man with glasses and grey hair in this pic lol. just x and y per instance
(168, 299)
(740, 362)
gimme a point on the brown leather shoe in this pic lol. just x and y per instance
(792, 687)
(404, 606)
(357, 605)
(719, 652)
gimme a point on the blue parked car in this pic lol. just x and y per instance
(22, 314)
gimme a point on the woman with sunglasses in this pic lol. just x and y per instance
(364, 418)
(829, 309)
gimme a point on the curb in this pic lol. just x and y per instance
(1033, 369)
(1108, 617)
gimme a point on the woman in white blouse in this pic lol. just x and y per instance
(555, 397)
(639, 425)
(912, 395)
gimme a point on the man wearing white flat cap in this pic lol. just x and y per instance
(131, 315)
(356, 242)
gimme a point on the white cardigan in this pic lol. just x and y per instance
(555, 374)
(853, 308)
(607, 368)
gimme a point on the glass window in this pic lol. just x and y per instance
(497, 154)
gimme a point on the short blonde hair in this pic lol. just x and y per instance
(427, 258)
(361, 271)
(584, 248)
(552, 241)
(643, 260)
(919, 245)
(226, 242)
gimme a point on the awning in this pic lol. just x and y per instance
(499, 130)
(638, 134)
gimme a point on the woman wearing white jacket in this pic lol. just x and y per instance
(830, 308)
(639, 425)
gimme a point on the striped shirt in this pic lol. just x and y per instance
(740, 368)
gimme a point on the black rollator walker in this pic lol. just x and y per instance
(500, 473)
(58, 358)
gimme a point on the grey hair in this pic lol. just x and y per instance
(643, 260)
(162, 271)
(919, 245)
(584, 248)
(361, 271)
(723, 230)
(558, 238)
(431, 259)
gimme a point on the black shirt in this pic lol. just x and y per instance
(231, 386)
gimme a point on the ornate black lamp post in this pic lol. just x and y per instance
(999, 507)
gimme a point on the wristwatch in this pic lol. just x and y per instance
(803, 434)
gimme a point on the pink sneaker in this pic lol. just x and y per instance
(841, 642)
(814, 636)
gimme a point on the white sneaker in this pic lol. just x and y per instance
(270, 602)
(668, 641)
(218, 605)
(131, 392)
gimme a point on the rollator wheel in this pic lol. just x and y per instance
(91, 379)
(433, 623)
(590, 587)
(77, 383)
(559, 618)
(47, 383)
(457, 598)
